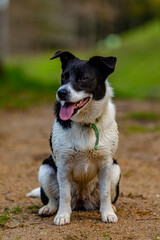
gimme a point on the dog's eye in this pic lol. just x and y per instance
(84, 79)
(64, 78)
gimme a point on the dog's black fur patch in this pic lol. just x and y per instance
(115, 161)
(50, 162)
(117, 193)
(50, 142)
(65, 124)
(44, 197)
(117, 187)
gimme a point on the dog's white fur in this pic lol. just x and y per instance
(75, 97)
(80, 168)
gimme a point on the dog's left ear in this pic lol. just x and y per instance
(65, 57)
(105, 65)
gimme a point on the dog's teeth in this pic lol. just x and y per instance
(62, 103)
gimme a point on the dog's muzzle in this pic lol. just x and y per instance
(63, 94)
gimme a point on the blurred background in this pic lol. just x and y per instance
(31, 31)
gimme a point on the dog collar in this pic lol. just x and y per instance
(93, 125)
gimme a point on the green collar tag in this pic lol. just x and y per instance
(97, 135)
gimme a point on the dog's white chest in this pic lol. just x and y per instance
(85, 167)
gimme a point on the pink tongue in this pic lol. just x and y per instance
(66, 111)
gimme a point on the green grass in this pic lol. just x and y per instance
(34, 79)
(69, 237)
(128, 173)
(3, 220)
(6, 215)
(19, 90)
(139, 128)
(107, 236)
(15, 210)
(33, 208)
(143, 116)
(137, 74)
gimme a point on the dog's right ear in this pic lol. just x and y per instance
(65, 57)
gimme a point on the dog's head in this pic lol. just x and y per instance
(82, 84)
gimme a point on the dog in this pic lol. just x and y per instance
(81, 172)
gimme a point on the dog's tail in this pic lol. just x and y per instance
(35, 193)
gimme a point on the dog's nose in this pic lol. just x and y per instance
(62, 94)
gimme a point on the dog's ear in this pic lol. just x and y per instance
(105, 65)
(65, 57)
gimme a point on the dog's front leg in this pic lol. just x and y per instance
(106, 209)
(64, 211)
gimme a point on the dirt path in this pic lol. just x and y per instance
(24, 144)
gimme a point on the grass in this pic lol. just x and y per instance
(128, 173)
(15, 210)
(139, 128)
(6, 215)
(137, 74)
(3, 220)
(143, 116)
(19, 90)
(107, 236)
(69, 237)
(33, 208)
(9, 214)
(86, 235)
(34, 79)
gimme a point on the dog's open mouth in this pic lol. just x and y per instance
(70, 108)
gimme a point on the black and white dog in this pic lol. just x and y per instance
(81, 172)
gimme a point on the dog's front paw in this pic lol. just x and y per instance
(47, 210)
(62, 219)
(109, 217)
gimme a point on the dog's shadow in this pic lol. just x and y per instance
(86, 215)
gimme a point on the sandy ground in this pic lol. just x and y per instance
(24, 144)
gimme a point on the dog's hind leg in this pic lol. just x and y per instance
(49, 187)
(116, 174)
